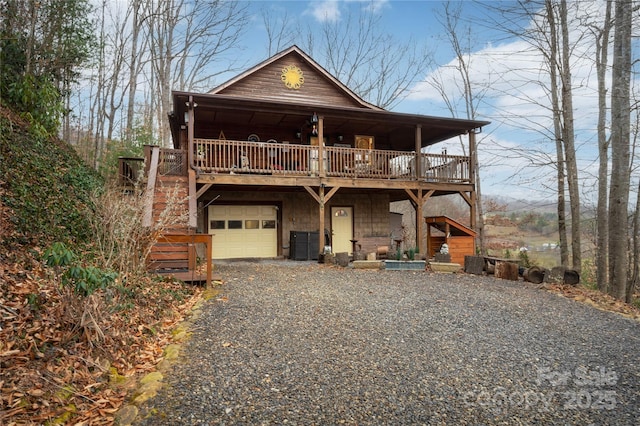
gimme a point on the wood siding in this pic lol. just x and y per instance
(266, 83)
(459, 247)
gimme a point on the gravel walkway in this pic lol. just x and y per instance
(307, 344)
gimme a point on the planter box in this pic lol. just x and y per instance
(445, 267)
(368, 264)
(404, 265)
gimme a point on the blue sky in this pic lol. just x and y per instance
(511, 158)
(513, 150)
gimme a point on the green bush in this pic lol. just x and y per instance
(84, 280)
(524, 259)
(38, 102)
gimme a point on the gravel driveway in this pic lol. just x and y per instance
(307, 344)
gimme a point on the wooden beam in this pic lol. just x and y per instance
(321, 199)
(321, 171)
(420, 223)
(471, 202)
(342, 182)
(193, 200)
(321, 219)
(147, 217)
(190, 132)
(418, 162)
(473, 220)
(204, 189)
(313, 193)
(472, 156)
(473, 177)
(331, 193)
(466, 198)
(428, 252)
(413, 197)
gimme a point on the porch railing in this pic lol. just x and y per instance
(172, 162)
(130, 170)
(227, 156)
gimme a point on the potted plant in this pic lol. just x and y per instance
(406, 261)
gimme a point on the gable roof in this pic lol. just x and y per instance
(455, 228)
(319, 87)
(258, 98)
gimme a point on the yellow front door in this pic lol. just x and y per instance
(341, 229)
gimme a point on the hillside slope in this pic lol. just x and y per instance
(45, 186)
(65, 356)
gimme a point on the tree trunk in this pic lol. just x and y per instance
(133, 69)
(568, 137)
(620, 122)
(635, 274)
(602, 215)
(557, 127)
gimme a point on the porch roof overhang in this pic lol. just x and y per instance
(213, 109)
(456, 228)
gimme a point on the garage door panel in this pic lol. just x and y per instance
(255, 233)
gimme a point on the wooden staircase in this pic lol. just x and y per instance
(171, 205)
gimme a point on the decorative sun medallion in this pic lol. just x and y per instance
(292, 77)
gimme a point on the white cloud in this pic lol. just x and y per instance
(374, 6)
(516, 100)
(330, 10)
(325, 10)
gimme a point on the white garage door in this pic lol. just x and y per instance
(243, 231)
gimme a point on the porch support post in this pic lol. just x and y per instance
(427, 253)
(417, 200)
(472, 210)
(471, 201)
(473, 177)
(321, 199)
(321, 171)
(190, 126)
(191, 173)
(152, 175)
(420, 223)
(418, 149)
(193, 200)
(321, 208)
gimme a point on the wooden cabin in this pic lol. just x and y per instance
(460, 238)
(285, 147)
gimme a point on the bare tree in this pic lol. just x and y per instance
(552, 59)
(373, 64)
(97, 102)
(568, 137)
(620, 156)
(185, 37)
(281, 31)
(471, 93)
(551, 37)
(634, 282)
(135, 63)
(601, 33)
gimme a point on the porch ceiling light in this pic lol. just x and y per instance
(314, 118)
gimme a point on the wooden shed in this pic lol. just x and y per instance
(460, 239)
